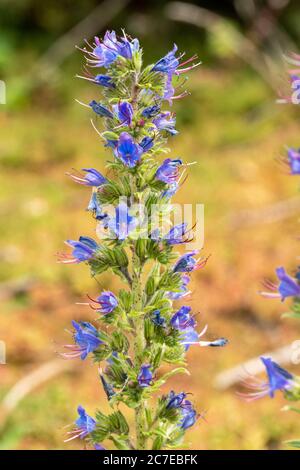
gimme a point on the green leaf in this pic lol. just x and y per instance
(293, 443)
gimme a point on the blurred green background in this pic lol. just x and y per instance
(234, 129)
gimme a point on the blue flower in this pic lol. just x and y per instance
(171, 191)
(287, 287)
(86, 337)
(178, 235)
(189, 415)
(84, 425)
(105, 81)
(145, 376)
(92, 177)
(294, 161)
(187, 263)
(183, 290)
(124, 111)
(150, 111)
(107, 302)
(165, 122)
(168, 63)
(146, 143)
(157, 319)
(175, 400)
(83, 250)
(101, 110)
(182, 319)
(168, 171)
(278, 379)
(123, 223)
(95, 207)
(128, 151)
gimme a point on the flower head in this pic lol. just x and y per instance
(145, 376)
(182, 319)
(278, 379)
(91, 177)
(123, 223)
(127, 150)
(178, 235)
(287, 287)
(189, 415)
(107, 302)
(168, 171)
(84, 425)
(86, 341)
(175, 400)
(83, 250)
(124, 112)
(165, 122)
(170, 64)
(187, 263)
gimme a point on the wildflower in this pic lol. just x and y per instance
(124, 111)
(104, 53)
(92, 177)
(287, 287)
(151, 111)
(278, 379)
(168, 171)
(169, 63)
(187, 263)
(105, 81)
(123, 223)
(86, 340)
(84, 425)
(165, 122)
(95, 207)
(178, 235)
(175, 400)
(127, 150)
(189, 415)
(294, 161)
(107, 302)
(182, 292)
(83, 250)
(145, 376)
(101, 110)
(182, 319)
(157, 319)
(146, 143)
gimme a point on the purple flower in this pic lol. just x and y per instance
(92, 177)
(182, 319)
(168, 171)
(175, 400)
(84, 425)
(105, 81)
(104, 53)
(145, 376)
(178, 235)
(168, 63)
(86, 340)
(165, 122)
(95, 207)
(146, 143)
(189, 415)
(83, 250)
(107, 302)
(187, 263)
(128, 151)
(101, 110)
(124, 111)
(150, 111)
(123, 223)
(294, 161)
(287, 287)
(278, 379)
(182, 292)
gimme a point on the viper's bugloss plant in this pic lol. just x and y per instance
(286, 287)
(140, 327)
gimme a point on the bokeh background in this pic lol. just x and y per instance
(234, 129)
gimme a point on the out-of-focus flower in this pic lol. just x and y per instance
(294, 161)
(287, 287)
